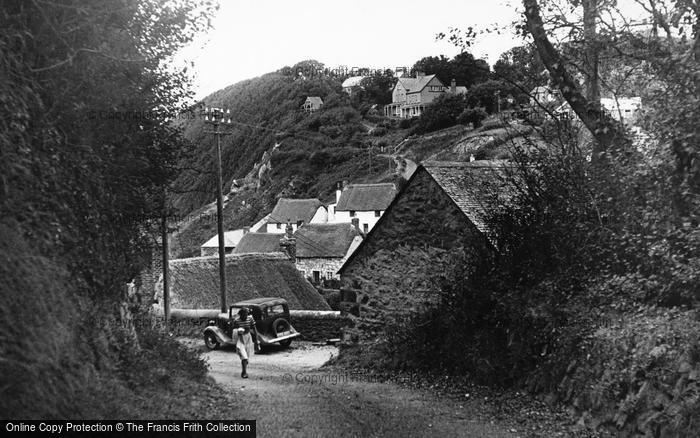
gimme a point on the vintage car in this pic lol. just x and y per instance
(272, 323)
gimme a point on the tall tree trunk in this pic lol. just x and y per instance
(608, 134)
(590, 15)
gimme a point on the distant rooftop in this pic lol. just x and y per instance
(231, 239)
(366, 197)
(294, 210)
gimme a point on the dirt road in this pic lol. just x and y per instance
(291, 396)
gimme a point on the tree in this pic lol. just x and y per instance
(442, 113)
(463, 68)
(467, 70)
(377, 88)
(521, 66)
(437, 65)
(608, 134)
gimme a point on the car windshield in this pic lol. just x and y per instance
(234, 312)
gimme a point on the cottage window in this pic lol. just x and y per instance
(377, 213)
(279, 226)
(365, 228)
(317, 276)
(352, 213)
(299, 223)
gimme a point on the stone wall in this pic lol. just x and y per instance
(320, 325)
(313, 325)
(323, 265)
(401, 263)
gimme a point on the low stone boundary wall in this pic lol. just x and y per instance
(319, 325)
(314, 325)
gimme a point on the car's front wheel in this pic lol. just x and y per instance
(210, 341)
(286, 343)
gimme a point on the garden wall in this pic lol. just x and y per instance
(313, 325)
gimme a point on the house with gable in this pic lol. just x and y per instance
(297, 212)
(231, 239)
(321, 249)
(361, 203)
(410, 96)
(440, 212)
(312, 104)
(353, 84)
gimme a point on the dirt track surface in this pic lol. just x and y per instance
(290, 395)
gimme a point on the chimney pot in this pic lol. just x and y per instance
(288, 244)
(356, 223)
(453, 86)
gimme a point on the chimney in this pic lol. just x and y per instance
(471, 158)
(453, 87)
(338, 191)
(420, 74)
(288, 243)
(356, 223)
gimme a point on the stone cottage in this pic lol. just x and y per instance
(440, 212)
(321, 249)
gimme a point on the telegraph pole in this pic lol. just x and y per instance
(217, 117)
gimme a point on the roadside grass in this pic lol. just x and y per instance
(161, 379)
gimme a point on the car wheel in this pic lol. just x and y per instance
(286, 343)
(210, 341)
(280, 325)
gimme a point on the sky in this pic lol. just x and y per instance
(253, 37)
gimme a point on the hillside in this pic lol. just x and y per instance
(275, 149)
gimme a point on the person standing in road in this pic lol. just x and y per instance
(247, 342)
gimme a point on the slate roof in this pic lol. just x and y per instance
(259, 243)
(476, 187)
(231, 239)
(195, 282)
(294, 210)
(366, 197)
(414, 85)
(324, 240)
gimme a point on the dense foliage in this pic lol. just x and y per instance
(85, 152)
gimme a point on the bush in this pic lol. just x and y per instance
(473, 116)
(407, 123)
(379, 132)
(442, 113)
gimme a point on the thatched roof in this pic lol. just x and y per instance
(195, 282)
(259, 243)
(294, 210)
(366, 197)
(324, 240)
